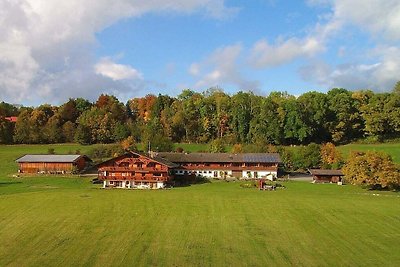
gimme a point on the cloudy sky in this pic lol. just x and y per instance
(53, 50)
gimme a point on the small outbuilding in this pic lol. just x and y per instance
(326, 176)
(52, 164)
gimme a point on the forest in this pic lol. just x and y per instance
(339, 116)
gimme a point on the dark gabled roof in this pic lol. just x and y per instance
(51, 158)
(221, 157)
(323, 172)
(159, 159)
(156, 158)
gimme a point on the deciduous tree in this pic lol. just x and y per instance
(330, 156)
(372, 169)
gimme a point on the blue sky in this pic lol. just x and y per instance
(79, 48)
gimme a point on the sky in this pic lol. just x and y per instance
(54, 50)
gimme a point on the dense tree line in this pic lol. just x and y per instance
(338, 116)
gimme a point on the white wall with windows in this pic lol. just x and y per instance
(271, 175)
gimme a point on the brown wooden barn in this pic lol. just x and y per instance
(52, 164)
(326, 176)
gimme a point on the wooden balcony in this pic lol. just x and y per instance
(133, 169)
(136, 178)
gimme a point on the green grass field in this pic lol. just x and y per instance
(392, 149)
(67, 221)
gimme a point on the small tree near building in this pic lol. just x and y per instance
(330, 156)
(375, 170)
(128, 144)
(237, 148)
(217, 146)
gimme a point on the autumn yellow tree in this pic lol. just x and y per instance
(128, 143)
(237, 148)
(330, 156)
(375, 170)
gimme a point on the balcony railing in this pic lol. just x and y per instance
(130, 169)
(136, 178)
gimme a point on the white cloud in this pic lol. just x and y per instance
(45, 42)
(380, 76)
(222, 67)
(381, 20)
(194, 69)
(116, 72)
(377, 16)
(264, 54)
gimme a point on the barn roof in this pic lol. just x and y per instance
(324, 172)
(153, 157)
(159, 159)
(50, 158)
(221, 157)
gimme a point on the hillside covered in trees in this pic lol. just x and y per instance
(338, 116)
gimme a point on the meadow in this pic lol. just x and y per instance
(67, 221)
(392, 149)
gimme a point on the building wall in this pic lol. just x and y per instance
(326, 178)
(215, 173)
(130, 171)
(132, 184)
(81, 163)
(45, 167)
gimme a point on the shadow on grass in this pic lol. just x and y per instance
(379, 188)
(188, 180)
(9, 183)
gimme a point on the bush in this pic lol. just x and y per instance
(160, 143)
(372, 169)
(217, 146)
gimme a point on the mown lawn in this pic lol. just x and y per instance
(48, 221)
(67, 221)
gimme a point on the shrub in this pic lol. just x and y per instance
(216, 146)
(372, 169)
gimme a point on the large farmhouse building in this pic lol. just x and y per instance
(52, 164)
(133, 170)
(222, 165)
(154, 170)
